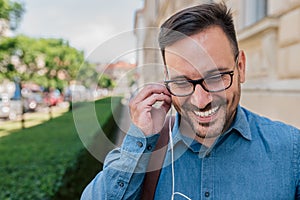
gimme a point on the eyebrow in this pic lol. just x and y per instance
(180, 77)
(206, 74)
(219, 69)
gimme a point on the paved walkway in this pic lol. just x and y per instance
(123, 124)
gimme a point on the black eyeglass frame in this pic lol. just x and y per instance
(200, 82)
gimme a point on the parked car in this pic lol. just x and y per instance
(4, 106)
(32, 99)
(53, 97)
(76, 93)
(9, 109)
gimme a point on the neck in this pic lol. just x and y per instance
(208, 142)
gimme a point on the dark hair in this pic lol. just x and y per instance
(195, 19)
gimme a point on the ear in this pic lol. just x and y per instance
(242, 66)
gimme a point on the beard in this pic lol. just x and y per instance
(192, 125)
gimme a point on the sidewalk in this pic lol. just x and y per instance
(123, 123)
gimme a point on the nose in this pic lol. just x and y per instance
(200, 97)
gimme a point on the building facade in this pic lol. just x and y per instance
(269, 33)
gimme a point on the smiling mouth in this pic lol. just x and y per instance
(208, 113)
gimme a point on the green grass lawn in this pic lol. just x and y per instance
(34, 161)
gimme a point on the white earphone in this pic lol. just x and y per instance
(172, 162)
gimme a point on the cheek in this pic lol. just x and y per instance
(233, 97)
(178, 102)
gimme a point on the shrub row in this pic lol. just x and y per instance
(49, 161)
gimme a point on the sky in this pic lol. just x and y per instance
(88, 25)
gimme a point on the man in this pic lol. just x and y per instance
(218, 149)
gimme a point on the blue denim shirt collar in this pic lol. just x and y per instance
(239, 124)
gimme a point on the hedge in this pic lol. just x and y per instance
(49, 161)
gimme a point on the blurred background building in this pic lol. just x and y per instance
(268, 31)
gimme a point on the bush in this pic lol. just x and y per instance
(41, 162)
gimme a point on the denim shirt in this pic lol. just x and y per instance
(256, 158)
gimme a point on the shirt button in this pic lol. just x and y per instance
(206, 194)
(121, 184)
(140, 144)
(149, 147)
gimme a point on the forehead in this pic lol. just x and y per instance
(208, 50)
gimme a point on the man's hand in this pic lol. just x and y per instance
(143, 114)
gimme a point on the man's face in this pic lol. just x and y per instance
(208, 53)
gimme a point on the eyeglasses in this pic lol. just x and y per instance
(214, 83)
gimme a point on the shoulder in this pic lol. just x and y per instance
(270, 129)
(262, 121)
(279, 140)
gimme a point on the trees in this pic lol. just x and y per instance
(106, 82)
(47, 62)
(11, 12)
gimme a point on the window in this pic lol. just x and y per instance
(254, 10)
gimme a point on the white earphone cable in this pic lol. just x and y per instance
(172, 161)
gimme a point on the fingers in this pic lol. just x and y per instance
(144, 111)
(167, 104)
(151, 100)
(150, 89)
(148, 96)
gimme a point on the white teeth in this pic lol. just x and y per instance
(207, 113)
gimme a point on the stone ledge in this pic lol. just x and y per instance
(259, 27)
(285, 86)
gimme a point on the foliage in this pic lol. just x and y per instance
(87, 75)
(35, 161)
(48, 62)
(90, 77)
(106, 82)
(11, 11)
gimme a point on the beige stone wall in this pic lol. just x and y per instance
(277, 7)
(280, 106)
(261, 47)
(272, 47)
(289, 44)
